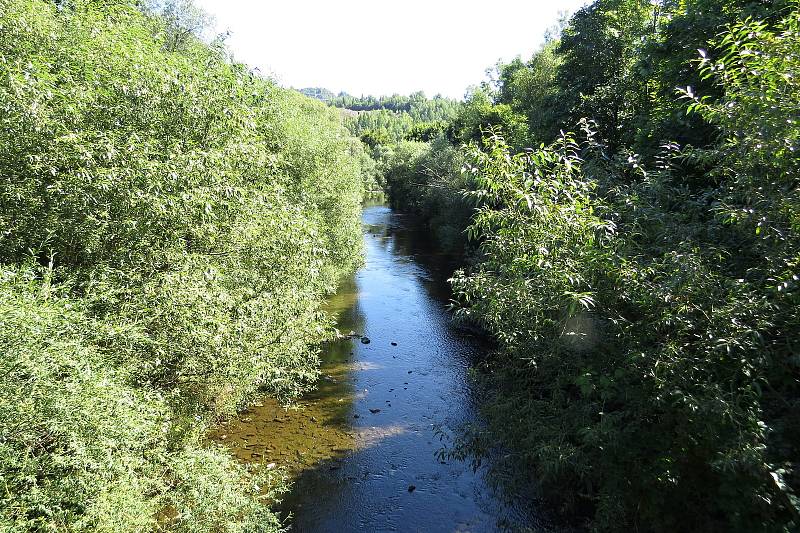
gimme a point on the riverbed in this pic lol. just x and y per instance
(362, 448)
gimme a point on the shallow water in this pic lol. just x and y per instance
(362, 447)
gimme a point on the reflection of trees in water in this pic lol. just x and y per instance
(343, 307)
(404, 236)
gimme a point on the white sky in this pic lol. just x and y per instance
(380, 47)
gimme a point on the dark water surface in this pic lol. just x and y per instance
(367, 435)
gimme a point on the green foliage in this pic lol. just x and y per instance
(597, 79)
(84, 449)
(647, 328)
(381, 125)
(394, 118)
(411, 158)
(666, 63)
(426, 131)
(479, 115)
(401, 165)
(530, 89)
(645, 306)
(618, 63)
(375, 138)
(416, 105)
(192, 217)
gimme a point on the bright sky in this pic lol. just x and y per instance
(380, 47)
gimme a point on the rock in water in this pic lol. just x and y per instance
(365, 340)
(411, 488)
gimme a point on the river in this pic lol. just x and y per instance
(362, 448)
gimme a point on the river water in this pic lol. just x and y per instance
(362, 448)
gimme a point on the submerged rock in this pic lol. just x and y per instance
(374, 411)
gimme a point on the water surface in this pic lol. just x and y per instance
(362, 448)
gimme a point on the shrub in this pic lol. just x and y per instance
(190, 217)
(637, 371)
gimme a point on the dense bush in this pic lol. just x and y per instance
(83, 448)
(529, 88)
(479, 115)
(169, 226)
(647, 318)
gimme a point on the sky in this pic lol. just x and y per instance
(380, 47)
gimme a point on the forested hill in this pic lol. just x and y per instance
(169, 225)
(319, 93)
(384, 119)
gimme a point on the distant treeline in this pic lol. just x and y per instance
(396, 102)
(319, 93)
(386, 119)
